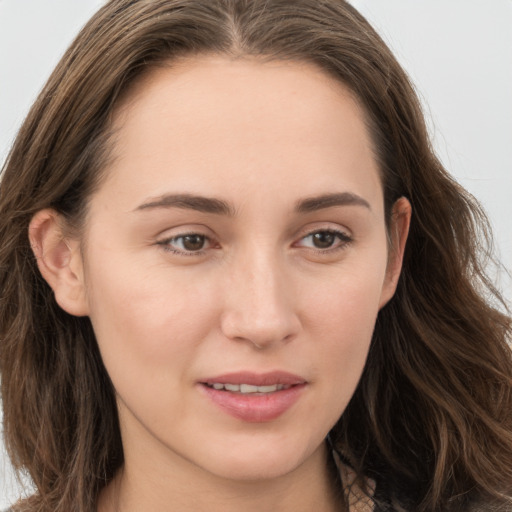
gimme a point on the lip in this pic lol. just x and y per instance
(255, 407)
(257, 379)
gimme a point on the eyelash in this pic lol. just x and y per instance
(343, 241)
(165, 244)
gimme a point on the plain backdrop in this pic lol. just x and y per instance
(458, 53)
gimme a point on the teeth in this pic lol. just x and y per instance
(248, 388)
(267, 389)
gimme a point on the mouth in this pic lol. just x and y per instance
(247, 389)
(252, 397)
(247, 383)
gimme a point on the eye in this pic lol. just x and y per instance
(187, 244)
(325, 239)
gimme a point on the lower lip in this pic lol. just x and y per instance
(254, 407)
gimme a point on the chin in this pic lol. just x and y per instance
(250, 471)
(258, 460)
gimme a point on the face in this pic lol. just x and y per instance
(234, 262)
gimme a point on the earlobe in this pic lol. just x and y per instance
(398, 232)
(59, 261)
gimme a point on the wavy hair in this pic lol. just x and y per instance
(431, 419)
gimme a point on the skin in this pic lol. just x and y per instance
(267, 285)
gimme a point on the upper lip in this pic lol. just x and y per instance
(256, 379)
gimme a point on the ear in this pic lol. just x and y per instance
(59, 261)
(398, 231)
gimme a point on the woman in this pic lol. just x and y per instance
(235, 276)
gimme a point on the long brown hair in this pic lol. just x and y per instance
(431, 420)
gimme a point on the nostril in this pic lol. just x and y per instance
(260, 338)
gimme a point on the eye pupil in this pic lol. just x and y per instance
(193, 242)
(323, 239)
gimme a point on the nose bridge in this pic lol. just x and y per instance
(259, 306)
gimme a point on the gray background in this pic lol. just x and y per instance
(458, 53)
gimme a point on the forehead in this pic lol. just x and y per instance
(209, 121)
(207, 85)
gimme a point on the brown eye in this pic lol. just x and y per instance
(323, 239)
(193, 242)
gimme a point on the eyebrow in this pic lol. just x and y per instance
(315, 203)
(220, 207)
(190, 202)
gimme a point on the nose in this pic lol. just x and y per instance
(260, 303)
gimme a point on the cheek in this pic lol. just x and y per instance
(341, 319)
(347, 304)
(147, 321)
